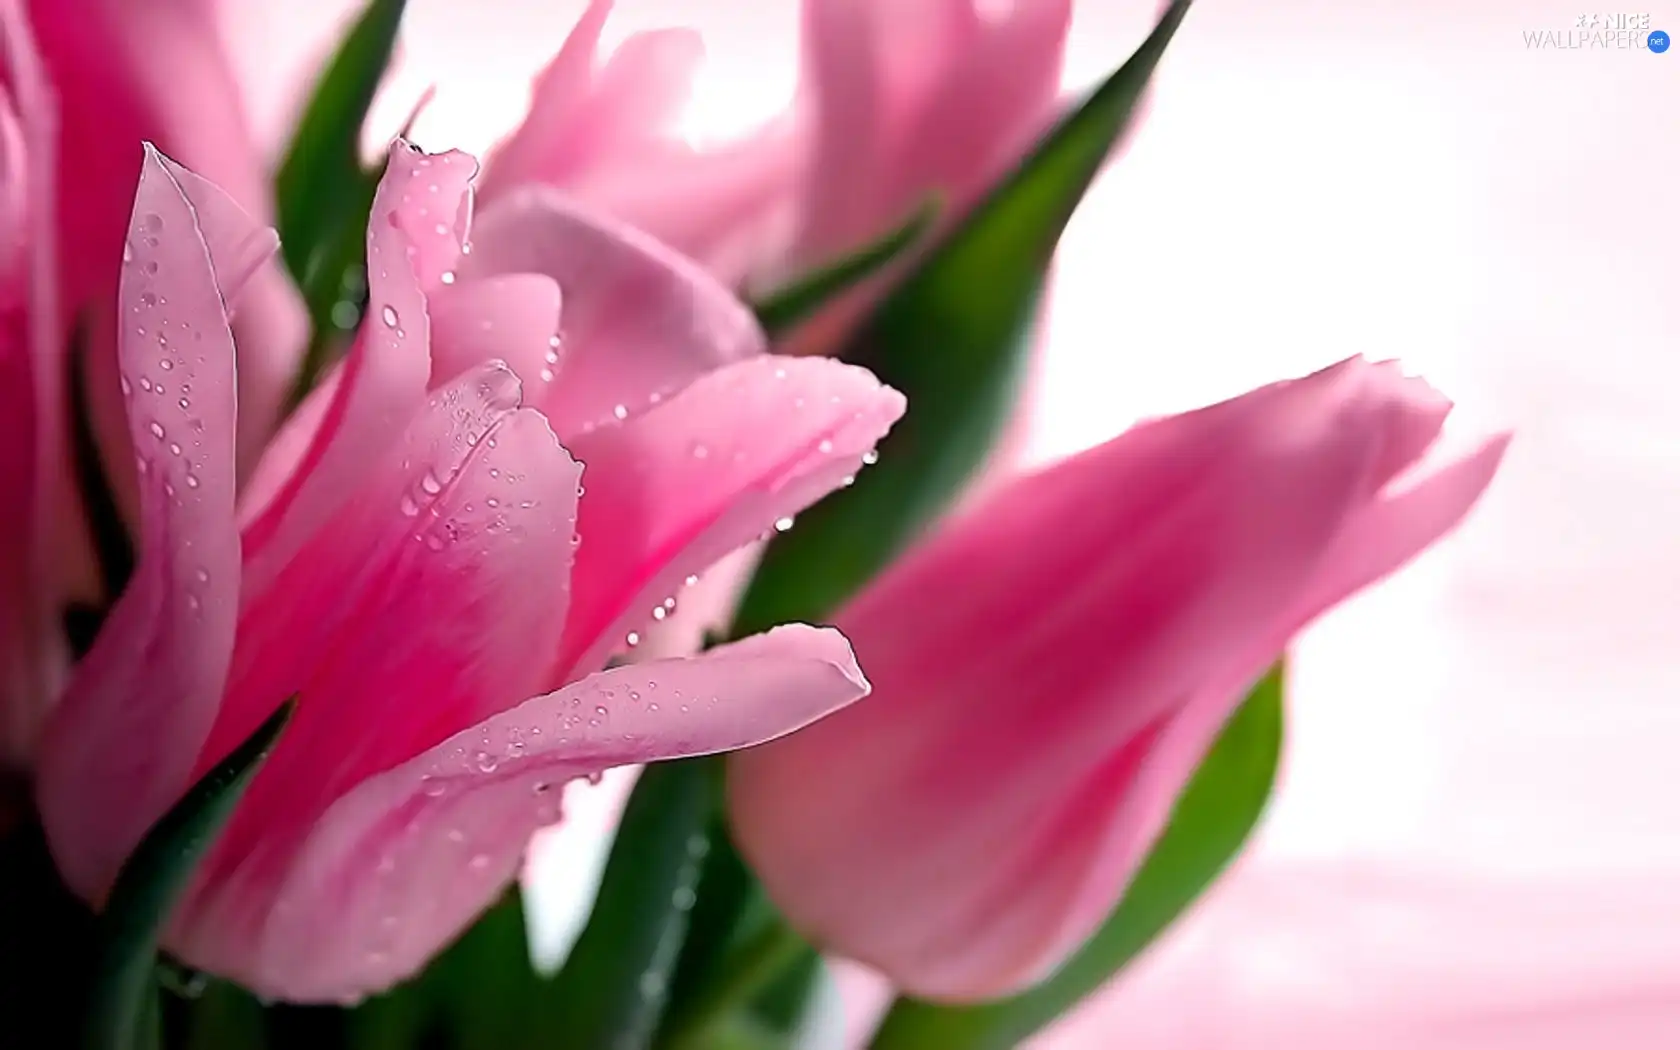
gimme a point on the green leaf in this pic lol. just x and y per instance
(953, 338)
(1210, 823)
(319, 182)
(612, 990)
(784, 309)
(124, 991)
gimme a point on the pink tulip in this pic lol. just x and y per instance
(1050, 667)
(122, 73)
(608, 135)
(1292, 956)
(84, 85)
(417, 563)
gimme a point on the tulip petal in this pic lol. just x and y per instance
(412, 233)
(401, 864)
(514, 319)
(122, 742)
(126, 73)
(840, 45)
(558, 96)
(674, 490)
(640, 322)
(995, 98)
(321, 598)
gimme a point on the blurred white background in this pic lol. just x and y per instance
(1318, 179)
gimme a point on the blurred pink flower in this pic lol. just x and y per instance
(897, 99)
(417, 563)
(608, 135)
(1302, 956)
(1051, 666)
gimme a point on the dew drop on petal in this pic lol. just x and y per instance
(389, 315)
(871, 457)
(430, 484)
(620, 412)
(784, 524)
(632, 639)
(157, 429)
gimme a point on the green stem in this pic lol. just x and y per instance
(746, 972)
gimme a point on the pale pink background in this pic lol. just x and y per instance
(1319, 179)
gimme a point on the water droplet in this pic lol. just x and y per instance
(669, 604)
(447, 277)
(174, 448)
(192, 481)
(784, 524)
(194, 602)
(442, 230)
(389, 315)
(486, 762)
(632, 639)
(546, 375)
(659, 612)
(871, 457)
(434, 541)
(825, 447)
(849, 480)
(633, 695)
(700, 451)
(157, 429)
(430, 484)
(167, 364)
(690, 580)
(454, 835)
(554, 342)
(128, 252)
(479, 862)
(619, 412)
(408, 506)
(781, 373)
(601, 711)
(151, 222)
(184, 403)
(127, 387)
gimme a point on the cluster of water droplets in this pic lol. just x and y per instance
(158, 360)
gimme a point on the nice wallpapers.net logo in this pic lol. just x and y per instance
(1618, 31)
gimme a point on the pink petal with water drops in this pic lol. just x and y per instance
(672, 491)
(316, 599)
(640, 322)
(397, 867)
(121, 744)
(124, 73)
(385, 374)
(473, 582)
(515, 318)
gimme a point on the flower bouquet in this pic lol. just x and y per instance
(356, 508)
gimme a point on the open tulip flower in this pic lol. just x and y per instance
(418, 563)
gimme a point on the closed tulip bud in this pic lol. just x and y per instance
(1051, 666)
